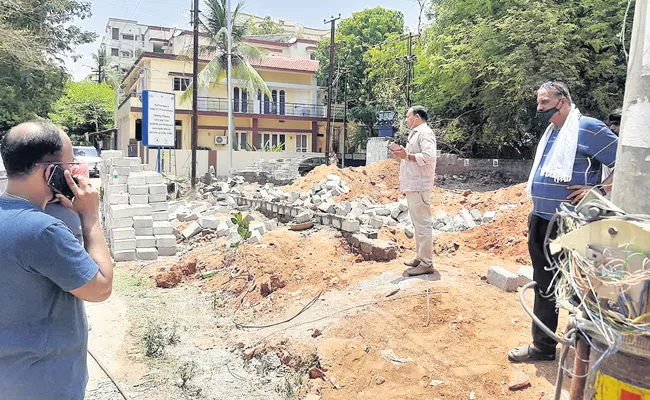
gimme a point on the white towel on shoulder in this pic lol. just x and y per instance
(560, 159)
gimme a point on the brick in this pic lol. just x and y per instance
(257, 226)
(271, 225)
(158, 207)
(117, 188)
(138, 199)
(162, 228)
(350, 225)
(210, 222)
(525, 275)
(382, 212)
(120, 162)
(144, 231)
(255, 238)
(337, 222)
(121, 179)
(165, 241)
(127, 244)
(304, 217)
(121, 171)
(489, 217)
(157, 198)
(154, 178)
(223, 229)
(383, 251)
(503, 279)
(193, 229)
(123, 233)
(138, 189)
(121, 211)
(137, 180)
(376, 223)
(145, 241)
(133, 160)
(121, 222)
(158, 189)
(142, 222)
(118, 198)
(467, 216)
(146, 254)
(124, 255)
(111, 154)
(160, 216)
(135, 168)
(167, 251)
(476, 214)
(142, 210)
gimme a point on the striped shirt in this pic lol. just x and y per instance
(596, 148)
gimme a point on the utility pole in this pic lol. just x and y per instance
(345, 119)
(631, 191)
(195, 92)
(410, 60)
(230, 94)
(332, 21)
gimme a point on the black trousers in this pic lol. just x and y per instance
(544, 307)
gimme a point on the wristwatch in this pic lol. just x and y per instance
(408, 156)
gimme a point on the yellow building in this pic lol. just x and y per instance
(293, 117)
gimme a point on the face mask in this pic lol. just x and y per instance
(546, 116)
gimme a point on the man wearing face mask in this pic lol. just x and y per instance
(568, 163)
(46, 273)
(416, 177)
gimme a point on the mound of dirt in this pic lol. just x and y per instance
(176, 274)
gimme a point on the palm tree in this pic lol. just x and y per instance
(216, 26)
(105, 67)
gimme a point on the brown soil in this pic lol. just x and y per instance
(176, 274)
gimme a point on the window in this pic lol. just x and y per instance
(127, 37)
(127, 54)
(274, 108)
(240, 141)
(301, 143)
(158, 48)
(312, 56)
(266, 103)
(85, 152)
(181, 84)
(235, 97)
(282, 102)
(179, 134)
(115, 52)
(244, 101)
(115, 33)
(137, 37)
(271, 140)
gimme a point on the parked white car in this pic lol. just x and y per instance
(88, 155)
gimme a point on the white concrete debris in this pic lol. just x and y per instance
(503, 279)
(525, 275)
(135, 209)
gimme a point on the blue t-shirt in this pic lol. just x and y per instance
(43, 328)
(596, 147)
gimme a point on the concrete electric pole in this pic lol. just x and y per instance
(195, 92)
(329, 88)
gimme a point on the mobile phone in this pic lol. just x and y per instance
(394, 146)
(59, 184)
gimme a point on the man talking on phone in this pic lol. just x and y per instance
(417, 172)
(46, 273)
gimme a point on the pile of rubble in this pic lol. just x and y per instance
(279, 171)
(135, 209)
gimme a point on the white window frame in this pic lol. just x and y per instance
(180, 83)
(273, 139)
(237, 146)
(300, 148)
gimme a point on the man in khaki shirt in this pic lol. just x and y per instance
(416, 177)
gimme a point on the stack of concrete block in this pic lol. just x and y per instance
(135, 209)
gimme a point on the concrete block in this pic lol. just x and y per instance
(123, 233)
(138, 190)
(154, 179)
(376, 223)
(144, 231)
(271, 225)
(440, 215)
(141, 210)
(146, 254)
(158, 189)
(326, 207)
(136, 180)
(142, 222)
(121, 179)
(135, 168)
(165, 241)
(193, 229)
(118, 198)
(145, 242)
(334, 178)
(117, 188)
(138, 199)
(119, 162)
(409, 232)
(124, 255)
(350, 225)
(525, 275)
(382, 212)
(503, 279)
(162, 228)
(337, 222)
(255, 238)
(467, 216)
(112, 154)
(159, 207)
(257, 226)
(223, 229)
(383, 251)
(126, 244)
(304, 217)
(489, 217)
(209, 222)
(121, 171)
(121, 211)
(167, 251)
(157, 198)
(160, 216)
(122, 222)
(133, 160)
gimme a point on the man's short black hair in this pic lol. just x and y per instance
(421, 111)
(21, 151)
(615, 116)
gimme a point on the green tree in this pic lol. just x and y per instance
(105, 67)
(265, 27)
(86, 107)
(36, 35)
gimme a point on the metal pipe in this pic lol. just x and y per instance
(536, 320)
(580, 369)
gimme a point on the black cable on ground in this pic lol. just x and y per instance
(305, 308)
(110, 376)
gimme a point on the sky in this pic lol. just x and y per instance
(175, 13)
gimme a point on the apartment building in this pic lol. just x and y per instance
(291, 117)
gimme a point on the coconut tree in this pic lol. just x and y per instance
(215, 25)
(105, 66)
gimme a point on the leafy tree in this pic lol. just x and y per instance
(265, 27)
(105, 67)
(86, 107)
(36, 35)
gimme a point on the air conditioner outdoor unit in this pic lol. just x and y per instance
(221, 140)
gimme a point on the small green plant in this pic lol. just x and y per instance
(157, 336)
(187, 371)
(242, 226)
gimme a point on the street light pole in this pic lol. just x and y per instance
(329, 88)
(195, 93)
(230, 94)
